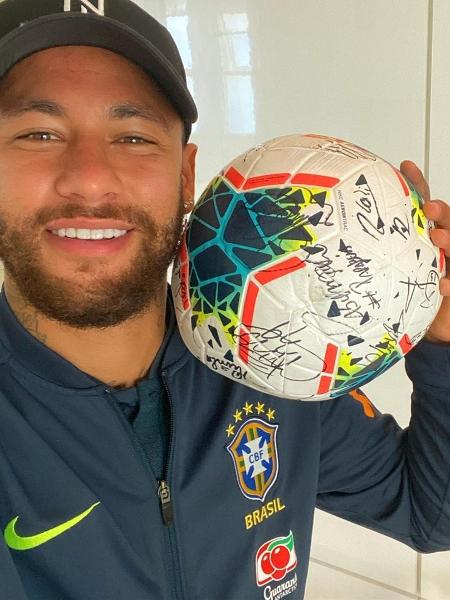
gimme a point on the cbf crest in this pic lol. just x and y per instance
(255, 456)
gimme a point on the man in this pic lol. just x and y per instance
(115, 477)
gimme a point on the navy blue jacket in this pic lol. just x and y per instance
(232, 518)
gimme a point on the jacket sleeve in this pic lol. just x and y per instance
(393, 480)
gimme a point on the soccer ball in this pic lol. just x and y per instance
(306, 269)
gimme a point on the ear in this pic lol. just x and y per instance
(188, 176)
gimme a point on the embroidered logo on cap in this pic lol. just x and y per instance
(85, 6)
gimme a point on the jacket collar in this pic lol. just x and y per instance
(43, 362)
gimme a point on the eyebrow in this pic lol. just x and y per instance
(137, 111)
(49, 107)
(24, 105)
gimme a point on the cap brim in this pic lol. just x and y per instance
(102, 32)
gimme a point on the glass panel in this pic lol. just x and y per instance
(233, 23)
(175, 7)
(178, 27)
(235, 51)
(240, 104)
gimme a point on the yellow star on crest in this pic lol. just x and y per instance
(238, 415)
(230, 430)
(260, 407)
(270, 414)
(248, 408)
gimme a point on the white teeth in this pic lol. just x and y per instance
(90, 234)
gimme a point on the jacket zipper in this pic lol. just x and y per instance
(163, 487)
(164, 493)
(165, 497)
(166, 502)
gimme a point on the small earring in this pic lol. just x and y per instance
(188, 205)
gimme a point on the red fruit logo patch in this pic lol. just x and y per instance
(275, 559)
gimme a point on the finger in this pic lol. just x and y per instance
(439, 212)
(444, 286)
(412, 172)
(441, 239)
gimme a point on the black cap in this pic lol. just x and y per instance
(28, 26)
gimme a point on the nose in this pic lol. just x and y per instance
(86, 173)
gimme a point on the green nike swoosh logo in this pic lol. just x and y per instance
(19, 542)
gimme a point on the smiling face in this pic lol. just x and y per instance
(91, 149)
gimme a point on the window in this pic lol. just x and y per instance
(235, 51)
(178, 25)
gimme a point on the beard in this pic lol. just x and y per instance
(105, 301)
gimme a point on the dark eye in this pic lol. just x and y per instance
(134, 140)
(39, 136)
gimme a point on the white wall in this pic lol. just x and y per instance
(357, 69)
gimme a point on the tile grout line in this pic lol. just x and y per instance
(429, 76)
(364, 578)
(419, 575)
(427, 154)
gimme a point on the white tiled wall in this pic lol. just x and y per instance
(435, 572)
(325, 583)
(353, 548)
(440, 101)
(352, 68)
